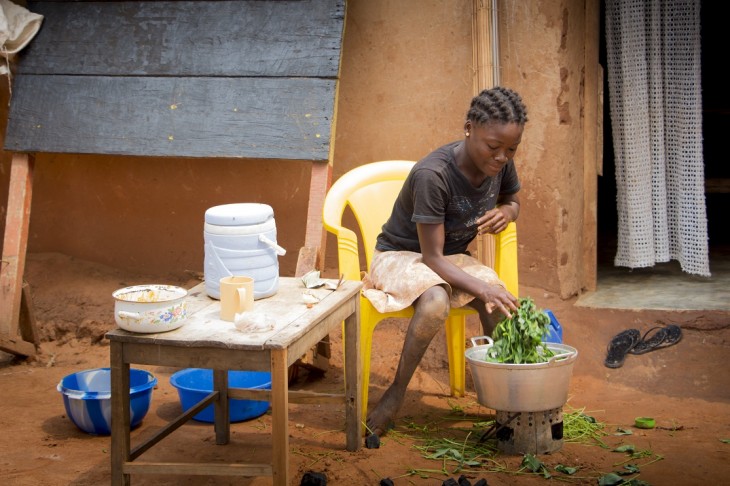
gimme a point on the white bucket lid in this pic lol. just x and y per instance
(239, 214)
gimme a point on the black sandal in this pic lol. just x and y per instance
(674, 335)
(663, 337)
(621, 344)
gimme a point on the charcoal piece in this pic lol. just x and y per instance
(372, 441)
(312, 478)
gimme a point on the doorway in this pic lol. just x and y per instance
(665, 285)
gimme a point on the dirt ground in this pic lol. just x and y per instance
(684, 387)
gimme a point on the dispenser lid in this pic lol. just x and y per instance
(239, 214)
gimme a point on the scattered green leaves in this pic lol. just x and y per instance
(588, 418)
(630, 469)
(456, 455)
(610, 479)
(582, 428)
(456, 447)
(566, 469)
(630, 448)
(518, 339)
(613, 479)
(532, 463)
(455, 440)
(636, 454)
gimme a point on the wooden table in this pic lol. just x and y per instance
(205, 341)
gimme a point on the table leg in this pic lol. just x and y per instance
(120, 441)
(353, 380)
(222, 418)
(280, 417)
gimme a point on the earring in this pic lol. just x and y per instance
(466, 133)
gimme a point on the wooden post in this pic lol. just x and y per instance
(12, 265)
(27, 325)
(592, 147)
(280, 417)
(485, 76)
(311, 255)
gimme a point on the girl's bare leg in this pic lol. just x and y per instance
(431, 310)
(489, 321)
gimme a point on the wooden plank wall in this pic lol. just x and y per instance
(253, 79)
(233, 79)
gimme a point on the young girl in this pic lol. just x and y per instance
(462, 189)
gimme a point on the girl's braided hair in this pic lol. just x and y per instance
(497, 105)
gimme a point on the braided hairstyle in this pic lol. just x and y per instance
(497, 105)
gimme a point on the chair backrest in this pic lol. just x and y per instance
(369, 191)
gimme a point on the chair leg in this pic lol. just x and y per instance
(455, 339)
(368, 321)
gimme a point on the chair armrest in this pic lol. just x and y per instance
(348, 257)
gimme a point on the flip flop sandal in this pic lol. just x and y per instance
(674, 335)
(619, 346)
(649, 341)
(662, 338)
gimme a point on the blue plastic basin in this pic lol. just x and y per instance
(87, 398)
(194, 384)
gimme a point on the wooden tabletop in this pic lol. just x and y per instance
(286, 310)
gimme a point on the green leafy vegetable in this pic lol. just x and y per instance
(518, 339)
(532, 463)
(610, 479)
(566, 469)
(630, 448)
(535, 465)
(630, 469)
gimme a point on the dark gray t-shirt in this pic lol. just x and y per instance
(436, 192)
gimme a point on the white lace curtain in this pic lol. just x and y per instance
(653, 50)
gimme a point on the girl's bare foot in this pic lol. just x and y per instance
(380, 419)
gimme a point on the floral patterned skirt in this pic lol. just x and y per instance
(397, 278)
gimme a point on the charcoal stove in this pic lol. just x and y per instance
(527, 432)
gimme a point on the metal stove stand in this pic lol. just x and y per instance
(527, 432)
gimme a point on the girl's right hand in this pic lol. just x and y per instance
(497, 297)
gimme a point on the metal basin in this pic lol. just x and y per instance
(521, 387)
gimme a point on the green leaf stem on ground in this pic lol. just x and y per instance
(460, 443)
(457, 442)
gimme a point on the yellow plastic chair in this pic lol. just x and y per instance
(370, 191)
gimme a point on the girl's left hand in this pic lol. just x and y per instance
(493, 222)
